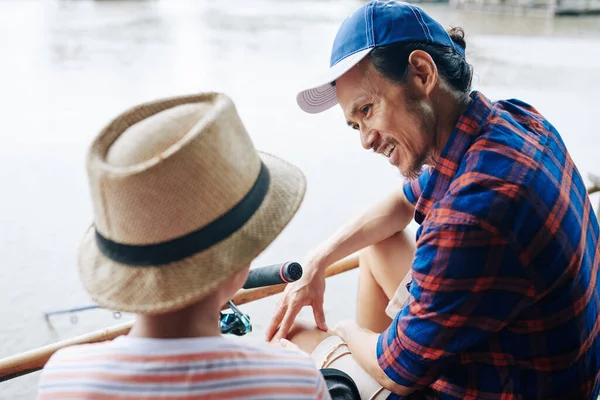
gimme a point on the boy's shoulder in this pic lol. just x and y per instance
(220, 366)
(195, 350)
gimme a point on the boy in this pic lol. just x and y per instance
(182, 203)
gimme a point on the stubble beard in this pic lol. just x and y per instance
(427, 127)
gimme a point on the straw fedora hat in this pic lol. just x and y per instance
(182, 201)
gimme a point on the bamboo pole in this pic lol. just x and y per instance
(34, 360)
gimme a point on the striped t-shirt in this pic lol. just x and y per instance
(194, 368)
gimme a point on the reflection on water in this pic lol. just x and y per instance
(68, 67)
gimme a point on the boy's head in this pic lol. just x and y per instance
(182, 204)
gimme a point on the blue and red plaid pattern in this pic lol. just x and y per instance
(504, 301)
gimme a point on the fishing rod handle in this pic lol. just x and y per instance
(273, 275)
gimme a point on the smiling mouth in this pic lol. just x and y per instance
(387, 150)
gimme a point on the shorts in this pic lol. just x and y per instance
(334, 353)
(401, 296)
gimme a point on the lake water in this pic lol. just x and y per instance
(68, 67)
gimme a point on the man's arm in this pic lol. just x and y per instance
(379, 222)
(385, 218)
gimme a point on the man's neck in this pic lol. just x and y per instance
(449, 107)
(198, 320)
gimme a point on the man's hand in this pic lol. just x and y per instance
(308, 291)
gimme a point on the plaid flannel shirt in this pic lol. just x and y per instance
(504, 302)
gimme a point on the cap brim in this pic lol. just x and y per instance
(322, 96)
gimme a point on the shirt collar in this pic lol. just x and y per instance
(443, 172)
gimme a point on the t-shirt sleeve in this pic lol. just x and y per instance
(47, 376)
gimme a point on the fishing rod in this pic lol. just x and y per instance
(35, 359)
(73, 318)
(236, 322)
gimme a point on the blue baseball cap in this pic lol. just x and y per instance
(377, 23)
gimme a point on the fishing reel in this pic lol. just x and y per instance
(235, 322)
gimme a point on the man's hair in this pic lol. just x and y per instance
(392, 61)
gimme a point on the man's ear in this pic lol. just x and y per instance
(422, 74)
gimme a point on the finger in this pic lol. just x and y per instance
(319, 315)
(275, 321)
(288, 320)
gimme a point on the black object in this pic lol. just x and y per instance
(273, 275)
(340, 385)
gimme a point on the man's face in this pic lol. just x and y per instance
(391, 120)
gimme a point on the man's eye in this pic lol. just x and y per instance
(365, 110)
(355, 126)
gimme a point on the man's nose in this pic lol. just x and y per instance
(367, 138)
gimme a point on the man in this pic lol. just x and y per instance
(503, 302)
(183, 203)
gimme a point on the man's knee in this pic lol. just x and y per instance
(401, 244)
(389, 261)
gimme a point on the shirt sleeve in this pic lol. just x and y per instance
(414, 187)
(46, 381)
(467, 283)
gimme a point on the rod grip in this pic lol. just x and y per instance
(273, 275)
